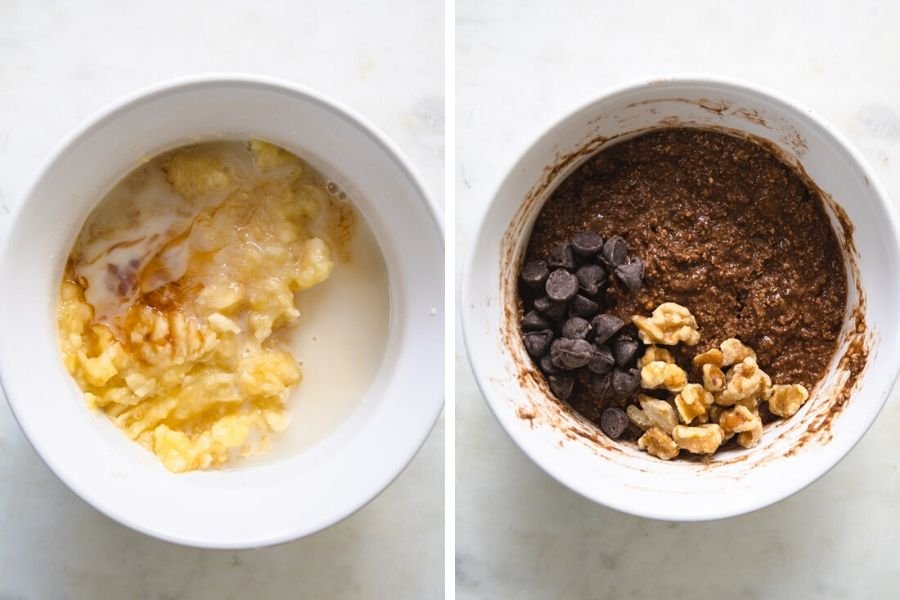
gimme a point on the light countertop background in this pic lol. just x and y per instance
(61, 62)
(521, 65)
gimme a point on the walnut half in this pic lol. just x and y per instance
(655, 353)
(713, 378)
(703, 439)
(652, 413)
(669, 324)
(657, 443)
(738, 419)
(742, 383)
(659, 374)
(786, 400)
(713, 356)
(692, 403)
(734, 351)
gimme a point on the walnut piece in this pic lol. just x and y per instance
(653, 413)
(786, 400)
(738, 419)
(654, 353)
(715, 413)
(765, 387)
(713, 378)
(710, 357)
(669, 324)
(661, 374)
(659, 412)
(751, 403)
(703, 439)
(692, 403)
(658, 444)
(638, 417)
(750, 438)
(741, 383)
(734, 351)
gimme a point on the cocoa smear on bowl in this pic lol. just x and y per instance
(726, 229)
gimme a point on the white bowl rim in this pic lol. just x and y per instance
(186, 83)
(520, 436)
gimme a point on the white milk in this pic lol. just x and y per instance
(340, 339)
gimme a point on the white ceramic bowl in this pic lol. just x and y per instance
(276, 501)
(792, 453)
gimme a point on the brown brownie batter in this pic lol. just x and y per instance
(725, 229)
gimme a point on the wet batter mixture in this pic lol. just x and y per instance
(725, 229)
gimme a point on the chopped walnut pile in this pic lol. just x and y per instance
(700, 417)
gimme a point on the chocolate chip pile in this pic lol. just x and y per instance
(565, 329)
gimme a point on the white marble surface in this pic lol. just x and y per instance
(520, 65)
(59, 63)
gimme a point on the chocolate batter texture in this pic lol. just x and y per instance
(725, 229)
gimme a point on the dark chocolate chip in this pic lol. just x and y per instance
(613, 422)
(570, 354)
(590, 278)
(587, 242)
(614, 251)
(538, 342)
(561, 257)
(547, 366)
(558, 312)
(627, 382)
(601, 383)
(543, 303)
(561, 385)
(535, 273)
(554, 310)
(605, 326)
(631, 273)
(582, 307)
(561, 286)
(601, 359)
(534, 321)
(623, 349)
(576, 328)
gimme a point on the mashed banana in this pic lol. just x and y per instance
(178, 287)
